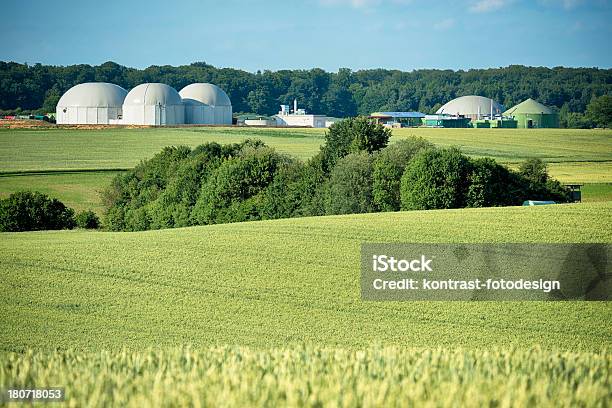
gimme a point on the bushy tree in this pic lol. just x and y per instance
(388, 168)
(492, 185)
(435, 178)
(534, 170)
(87, 219)
(32, 211)
(599, 111)
(349, 188)
(227, 195)
(352, 135)
(284, 197)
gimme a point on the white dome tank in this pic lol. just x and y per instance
(153, 104)
(90, 103)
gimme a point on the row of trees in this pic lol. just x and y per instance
(354, 172)
(344, 93)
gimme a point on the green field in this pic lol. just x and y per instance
(574, 156)
(77, 190)
(269, 313)
(273, 283)
(61, 149)
(317, 376)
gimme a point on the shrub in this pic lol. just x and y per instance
(349, 188)
(389, 166)
(537, 183)
(32, 211)
(492, 185)
(352, 135)
(285, 196)
(235, 181)
(435, 179)
(87, 219)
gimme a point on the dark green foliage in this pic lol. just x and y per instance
(229, 193)
(349, 188)
(285, 196)
(214, 184)
(389, 166)
(32, 211)
(343, 94)
(493, 185)
(436, 178)
(352, 135)
(87, 219)
(534, 170)
(161, 192)
(599, 111)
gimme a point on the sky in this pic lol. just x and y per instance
(328, 34)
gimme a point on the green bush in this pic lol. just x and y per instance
(435, 178)
(222, 198)
(87, 219)
(349, 188)
(389, 166)
(285, 195)
(32, 211)
(352, 135)
(537, 183)
(493, 185)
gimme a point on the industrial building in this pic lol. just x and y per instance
(398, 119)
(299, 117)
(153, 104)
(146, 104)
(472, 106)
(91, 103)
(446, 121)
(206, 104)
(533, 114)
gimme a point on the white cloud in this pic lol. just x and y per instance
(445, 24)
(484, 6)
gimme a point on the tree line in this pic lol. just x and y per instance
(345, 93)
(356, 171)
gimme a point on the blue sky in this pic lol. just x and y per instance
(329, 34)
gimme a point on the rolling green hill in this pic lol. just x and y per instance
(274, 283)
(61, 148)
(37, 158)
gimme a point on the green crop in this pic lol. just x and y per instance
(304, 376)
(273, 283)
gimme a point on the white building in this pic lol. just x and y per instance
(153, 104)
(90, 103)
(471, 106)
(299, 117)
(206, 104)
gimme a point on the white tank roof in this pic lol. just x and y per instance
(153, 94)
(208, 94)
(468, 105)
(94, 94)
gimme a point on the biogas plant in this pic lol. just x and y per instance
(153, 104)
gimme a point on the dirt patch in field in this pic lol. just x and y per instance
(33, 124)
(25, 124)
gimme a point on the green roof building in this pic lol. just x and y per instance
(532, 114)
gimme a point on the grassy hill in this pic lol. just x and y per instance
(61, 149)
(38, 158)
(277, 283)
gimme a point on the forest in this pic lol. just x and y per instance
(346, 93)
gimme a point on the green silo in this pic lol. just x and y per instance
(532, 114)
